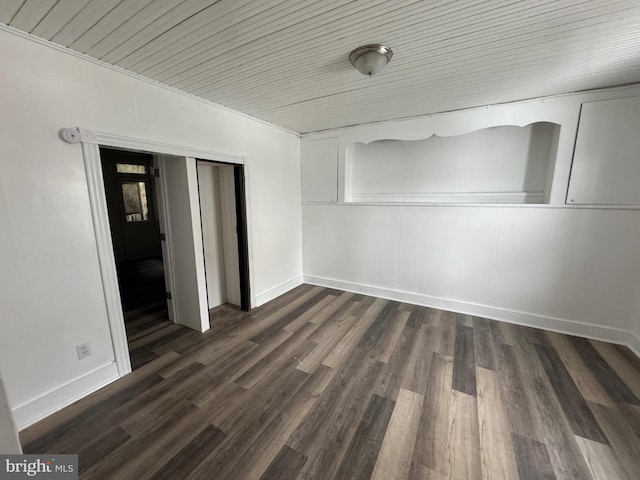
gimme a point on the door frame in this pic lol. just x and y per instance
(91, 141)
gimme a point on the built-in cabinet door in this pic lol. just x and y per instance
(320, 170)
(606, 161)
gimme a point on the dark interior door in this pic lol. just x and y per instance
(131, 204)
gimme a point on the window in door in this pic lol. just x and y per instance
(134, 196)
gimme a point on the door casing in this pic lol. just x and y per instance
(90, 142)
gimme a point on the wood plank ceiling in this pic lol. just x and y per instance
(285, 61)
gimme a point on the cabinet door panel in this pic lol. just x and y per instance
(320, 170)
(606, 161)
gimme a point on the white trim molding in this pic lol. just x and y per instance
(35, 410)
(450, 197)
(106, 257)
(284, 287)
(570, 327)
(151, 146)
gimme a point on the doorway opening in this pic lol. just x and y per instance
(135, 234)
(224, 235)
(178, 229)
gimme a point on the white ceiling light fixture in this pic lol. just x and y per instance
(370, 59)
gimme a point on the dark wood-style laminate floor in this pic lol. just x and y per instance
(144, 303)
(141, 283)
(326, 384)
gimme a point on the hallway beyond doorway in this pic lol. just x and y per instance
(144, 303)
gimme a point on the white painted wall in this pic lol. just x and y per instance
(50, 287)
(576, 265)
(554, 266)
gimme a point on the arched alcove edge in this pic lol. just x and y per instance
(500, 164)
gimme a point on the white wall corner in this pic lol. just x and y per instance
(9, 441)
(570, 327)
(282, 288)
(35, 410)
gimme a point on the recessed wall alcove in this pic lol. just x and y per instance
(502, 164)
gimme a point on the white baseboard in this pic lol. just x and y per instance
(278, 290)
(571, 327)
(29, 413)
(633, 342)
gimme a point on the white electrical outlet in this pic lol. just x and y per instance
(83, 350)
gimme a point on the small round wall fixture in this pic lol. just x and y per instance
(370, 59)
